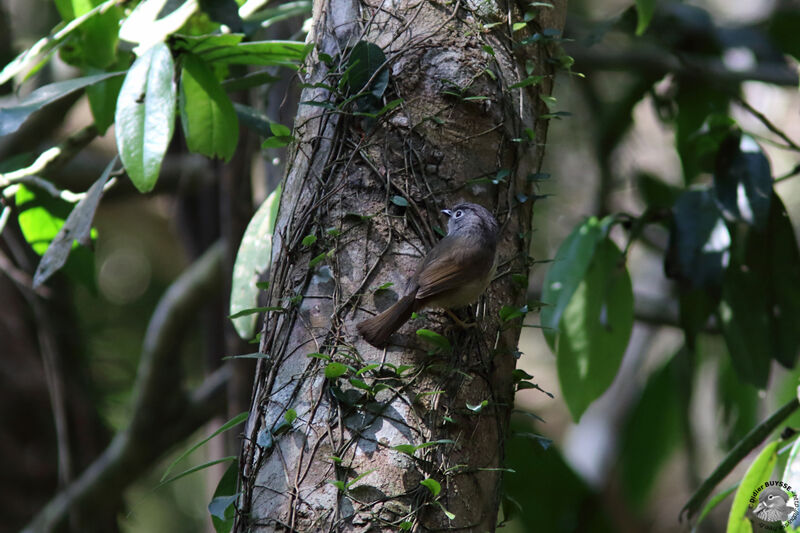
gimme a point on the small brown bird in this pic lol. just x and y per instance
(454, 273)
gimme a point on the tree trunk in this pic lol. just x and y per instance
(371, 192)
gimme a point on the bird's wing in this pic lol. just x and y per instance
(453, 262)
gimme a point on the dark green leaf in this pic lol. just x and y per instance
(77, 227)
(650, 434)
(364, 61)
(11, 118)
(510, 313)
(656, 193)
(103, 102)
(699, 243)
(223, 11)
(742, 180)
(222, 507)
(760, 307)
(308, 240)
(250, 80)
(207, 115)
(145, 117)
(594, 329)
(567, 272)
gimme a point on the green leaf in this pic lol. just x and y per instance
(197, 468)
(145, 117)
(338, 484)
(11, 118)
(699, 241)
(103, 101)
(77, 227)
(712, 503)
(567, 272)
(594, 329)
(360, 477)
(399, 201)
(235, 421)
(254, 311)
(530, 80)
(364, 61)
(759, 471)
(644, 11)
(207, 115)
(510, 313)
(290, 416)
(432, 485)
(279, 130)
(791, 472)
(222, 507)
(252, 258)
(656, 193)
(441, 342)
(407, 449)
(760, 306)
(281, 53)
(308, 240)
(743, 180)
(651, 433)
(334, 370)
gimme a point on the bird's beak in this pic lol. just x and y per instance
(447, 212)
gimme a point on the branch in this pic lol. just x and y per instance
(164, 415)
(658, 61)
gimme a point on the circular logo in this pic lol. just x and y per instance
(774, 505)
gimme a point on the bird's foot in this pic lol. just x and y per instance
(461, 323)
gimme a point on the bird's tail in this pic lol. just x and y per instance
(378, 329)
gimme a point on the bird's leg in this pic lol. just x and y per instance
(461, 323)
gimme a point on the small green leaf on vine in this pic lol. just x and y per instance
(432, 486)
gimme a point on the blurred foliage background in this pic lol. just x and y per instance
(642, 119)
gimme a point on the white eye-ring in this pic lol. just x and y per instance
(458, 213)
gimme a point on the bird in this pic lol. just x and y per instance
(453, 274)
(772, 505)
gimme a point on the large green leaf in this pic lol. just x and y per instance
(759, 472)
(252, 259)
(11, 118)
(145, 117)
(700, 125)
(699, 241)
(363, 64)
(567, 272)
(99, 36)
(594, 329)
(285, 53)
(742, 180)
(207, 115)
(650, 434)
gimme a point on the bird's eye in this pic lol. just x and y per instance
(458, 213)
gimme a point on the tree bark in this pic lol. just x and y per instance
(371, 193)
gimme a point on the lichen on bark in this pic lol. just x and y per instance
(370, 189)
